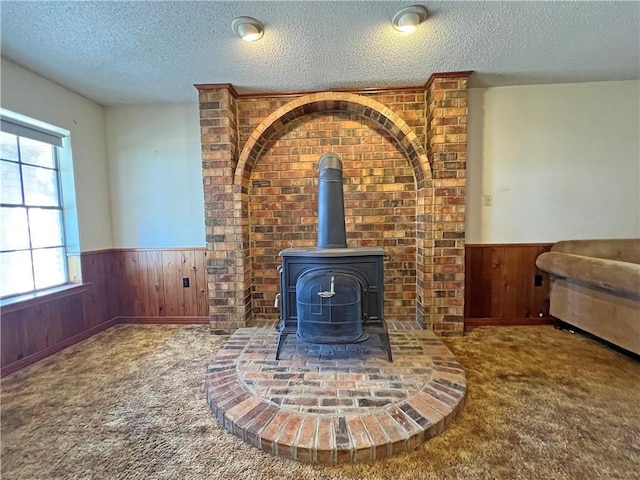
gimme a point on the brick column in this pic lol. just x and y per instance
(225, 271)
(447, 153)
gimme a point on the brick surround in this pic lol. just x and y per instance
(404, 155)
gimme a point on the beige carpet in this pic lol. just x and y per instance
(128, 404)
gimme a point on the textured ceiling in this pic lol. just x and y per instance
(139, 52)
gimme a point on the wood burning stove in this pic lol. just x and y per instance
(332, 294)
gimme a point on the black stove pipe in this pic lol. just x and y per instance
(331, 225)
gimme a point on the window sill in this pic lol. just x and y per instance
(29, 300)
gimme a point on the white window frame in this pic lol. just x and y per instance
(23, 126)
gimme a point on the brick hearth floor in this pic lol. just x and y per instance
(334, 403)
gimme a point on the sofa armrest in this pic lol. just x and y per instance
(608, 274)
(620, 249)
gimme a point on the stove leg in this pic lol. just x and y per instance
(281, 339)
(384, 338)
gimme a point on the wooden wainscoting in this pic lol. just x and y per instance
(43, 325)
(117, 286)
(152, 290)
(500, 285)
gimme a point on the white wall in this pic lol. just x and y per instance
(24, 92)
(560, 162)
(156, 175)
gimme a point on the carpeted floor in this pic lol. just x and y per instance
(128, 404)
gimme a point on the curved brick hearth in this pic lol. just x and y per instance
(334, 403)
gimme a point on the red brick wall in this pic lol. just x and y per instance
(379, 194)
(383, 139)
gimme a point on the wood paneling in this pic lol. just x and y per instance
(152, 283)
(132, 286)
(172, 272)
(97, 270)
(500, 285)
(145, 286)
(40, 325)
(152, 300)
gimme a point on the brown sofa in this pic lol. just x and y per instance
(595, 286)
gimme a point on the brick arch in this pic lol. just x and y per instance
(332, 102)
(381, 116)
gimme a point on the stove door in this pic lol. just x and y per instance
(329, 304)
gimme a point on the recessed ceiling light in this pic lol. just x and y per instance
(408, 19)
(247, 28)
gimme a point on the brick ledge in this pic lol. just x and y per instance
(330, 426)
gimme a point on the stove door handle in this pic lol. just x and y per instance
(331, 293)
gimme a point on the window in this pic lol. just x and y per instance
(32, 239)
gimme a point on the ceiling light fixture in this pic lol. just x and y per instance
(247, 28)
(408, 19)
